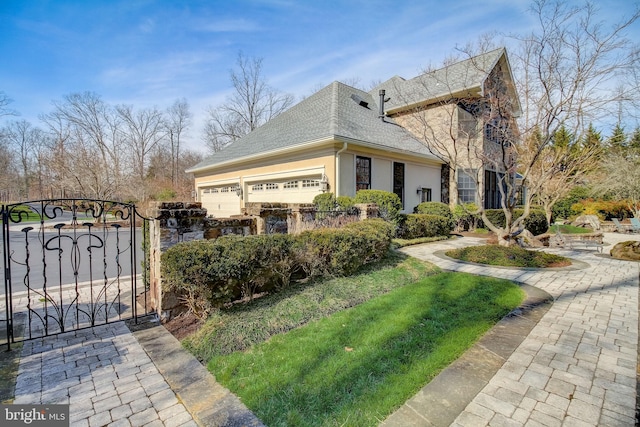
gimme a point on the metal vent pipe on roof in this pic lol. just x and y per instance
(382, 101)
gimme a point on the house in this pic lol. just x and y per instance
(342, 139)
(466, 113)
(335, 140)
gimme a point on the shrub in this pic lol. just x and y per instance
(207, 274)
(603, 209)
(165, 194)
(463, 219)
(187, 271)
(564, 207)
(345, 203)
(379, 233)
(423, 225)
(325, 202)
(389, 204)
(340, 252)
(433, 208)
(536, 222)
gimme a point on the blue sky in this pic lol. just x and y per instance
(151, 52)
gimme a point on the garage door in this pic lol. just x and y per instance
(290, 191)
(221, 202)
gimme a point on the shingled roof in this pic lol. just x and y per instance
(337, 112)
(464, 78)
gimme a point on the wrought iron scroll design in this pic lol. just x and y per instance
(73, 266)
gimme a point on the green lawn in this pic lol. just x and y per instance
(569, 229)
(513, 256)
(358, 365)
(23, 214)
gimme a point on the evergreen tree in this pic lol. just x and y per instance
(634, 141)
(618, 139)
(562, 138)
(592, 138)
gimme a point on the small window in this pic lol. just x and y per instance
(206, 191)
(257, 187)
(425, 196)
(225, 189)
(308, 183)
(271, 186)
(214, 190)
(363, 173)
(291, 184)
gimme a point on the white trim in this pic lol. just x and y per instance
(218, 182)
(277, 176)
(294, 148)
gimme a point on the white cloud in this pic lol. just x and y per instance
(228, 26)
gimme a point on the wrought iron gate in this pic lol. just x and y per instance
(71, 264)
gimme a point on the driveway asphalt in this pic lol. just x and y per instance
(570, 362)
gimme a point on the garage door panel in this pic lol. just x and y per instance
(220, 204)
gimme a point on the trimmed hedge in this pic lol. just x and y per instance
(536, 222)
(415, 226)
(434, 208)
(389, 204)
(325, 202)
(463, 219)
(207, 274)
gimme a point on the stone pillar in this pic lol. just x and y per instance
(368, 210)
(172, 222)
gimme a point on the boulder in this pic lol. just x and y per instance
(627, 251)
(527, 240)
(587, 221)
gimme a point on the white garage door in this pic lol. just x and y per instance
(290, 191)
(221, 202)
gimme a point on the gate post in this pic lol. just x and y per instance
(172, 223)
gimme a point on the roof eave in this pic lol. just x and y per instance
(293, 148)
(464, 93)
(387, 149)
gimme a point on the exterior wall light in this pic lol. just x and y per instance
(324, 183)
(239, 192)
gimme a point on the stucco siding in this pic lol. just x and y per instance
(381, 175)
(347, 175)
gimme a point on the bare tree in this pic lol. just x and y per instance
(159, 177)
(177, 121)
(4, 105)
(28, 144)
(621, 177)
(561, 166)
(569, 67)
(60, 156)
(87, 126)
(566, 70)
(252, 103)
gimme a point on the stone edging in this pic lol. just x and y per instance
(209, 403)
(446, 396)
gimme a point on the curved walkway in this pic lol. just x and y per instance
(577, 366)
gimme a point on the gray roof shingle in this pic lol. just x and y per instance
(331, 113)
(464, 76)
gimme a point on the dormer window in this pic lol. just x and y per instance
(361, 102)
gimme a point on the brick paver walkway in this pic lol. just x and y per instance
(105, 376)
(578, 365)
